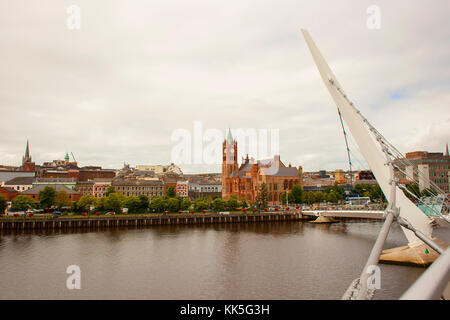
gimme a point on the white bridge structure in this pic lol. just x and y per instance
(380, 156)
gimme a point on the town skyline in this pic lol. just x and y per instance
(60, 156)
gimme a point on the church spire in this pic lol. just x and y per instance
(27, 151)
(229, 137)
(26, 157)
(446, 151)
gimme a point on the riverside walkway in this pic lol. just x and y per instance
(106, 221)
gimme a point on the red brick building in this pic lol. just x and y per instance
(245, 180)
(33, 193)
(8, 193)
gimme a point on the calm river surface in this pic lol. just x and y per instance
(288, 260)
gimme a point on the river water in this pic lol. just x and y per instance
(283, 260)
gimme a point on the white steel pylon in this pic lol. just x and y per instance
(371, 146)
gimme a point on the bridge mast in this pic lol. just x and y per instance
(372, 145)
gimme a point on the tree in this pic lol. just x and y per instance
(173, 204)
(22, 203)
(290, 197)
(359, 189)
(100, 205)
(308, 197)
(218, 204)
(337, 189)
(114, 202)
(261, 198)
(62, 199)
(232, 203)
(297, 194)
(157, 204)
(185, 204)
(333, 196)
(86, 202)
(414, 189)
(171, 192)
(132, 203)
(377, 193)
(47, 197)
(319, 197)
(3, 204)
(143, 203)
(200, 204)
(110, 190)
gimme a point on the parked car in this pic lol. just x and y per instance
(57, 213)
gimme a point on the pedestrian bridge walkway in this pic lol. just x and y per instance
(346, 214)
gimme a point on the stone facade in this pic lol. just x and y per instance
(129, 187)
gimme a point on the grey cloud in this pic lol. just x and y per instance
(115, 90)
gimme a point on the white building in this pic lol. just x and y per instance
(20, 183)
(160, 169)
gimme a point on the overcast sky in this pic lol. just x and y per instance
(116, 89)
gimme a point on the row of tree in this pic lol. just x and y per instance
(332, 194)
(114, 201)
(117, 201)
(414, 192)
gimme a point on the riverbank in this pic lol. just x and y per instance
(105, 221)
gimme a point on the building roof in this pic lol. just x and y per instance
(8, 175)
(135, 182)
(101, 180)
(9, 189)
(20, 181)
(58, 187)
(43, 180)
(280, 172)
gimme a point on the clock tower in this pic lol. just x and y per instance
(229, 164)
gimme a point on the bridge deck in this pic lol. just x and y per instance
(343, 214)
